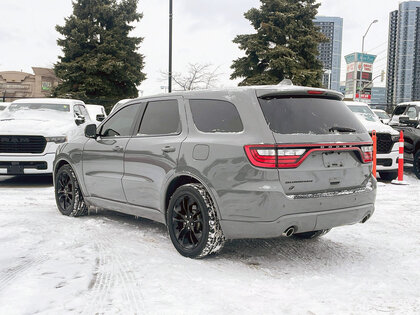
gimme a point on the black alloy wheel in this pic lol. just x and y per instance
(187, 222)
(65, 191)
(68, 196)
(192, 222)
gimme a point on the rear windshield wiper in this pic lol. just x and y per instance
(341, 129)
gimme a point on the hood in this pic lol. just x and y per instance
(378, 126)
(35, 127)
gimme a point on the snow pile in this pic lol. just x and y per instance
(108, 263)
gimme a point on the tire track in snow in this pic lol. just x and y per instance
(14, 272)
(112, 274)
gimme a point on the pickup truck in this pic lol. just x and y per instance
(409, 123)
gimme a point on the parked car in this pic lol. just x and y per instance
(387, 140)
(32, 129)
(410, 109)
(382, 115)
(96, 112)
(251, 162)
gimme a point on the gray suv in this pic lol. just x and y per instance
(251, 162)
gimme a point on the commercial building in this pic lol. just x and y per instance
(330, 52)
(403, 69)
(378, 95)
(359, 76)
(16, 84)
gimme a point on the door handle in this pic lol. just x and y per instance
(168, 149)
(117, 149)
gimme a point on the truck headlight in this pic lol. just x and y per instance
(395, 138)
(60, 139)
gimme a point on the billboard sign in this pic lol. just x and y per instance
(359, 57)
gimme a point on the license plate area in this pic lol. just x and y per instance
(15, 169)
(333, 159)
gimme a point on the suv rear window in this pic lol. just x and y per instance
(297, 115)
(215, 116)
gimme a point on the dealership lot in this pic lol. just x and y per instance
(109, 263)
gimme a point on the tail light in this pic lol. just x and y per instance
(270, 156)
(367, 153)
(284, 156)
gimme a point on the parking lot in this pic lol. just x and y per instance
(110, 263)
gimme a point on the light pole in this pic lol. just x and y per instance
(363, 54)
(170, 47)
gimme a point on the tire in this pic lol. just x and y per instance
(388, 175)
(68, 196)
(416, 164)
(310, 235)
(192, 222)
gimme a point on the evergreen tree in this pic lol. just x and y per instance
(285, 45)
(100, 59)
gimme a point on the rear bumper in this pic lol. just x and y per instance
(302, 222)
(29, 164)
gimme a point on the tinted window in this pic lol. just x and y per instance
(161, 118)
(121, 124)
(308, 116)
(400, 110)
(215, 116)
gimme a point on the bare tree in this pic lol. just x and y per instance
(198, 77)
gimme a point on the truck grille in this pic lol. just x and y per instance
(22, 144)
(384, 143)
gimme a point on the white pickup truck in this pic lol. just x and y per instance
(32, 129)
(387, 140)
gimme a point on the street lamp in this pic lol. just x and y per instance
(170, 47)
(363, 54)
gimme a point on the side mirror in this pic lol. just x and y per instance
(90, 131)
(100, 117)
(80, 120)
(408, 121)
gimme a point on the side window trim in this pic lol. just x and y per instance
(140, 110)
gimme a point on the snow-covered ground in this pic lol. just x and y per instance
(114, 264)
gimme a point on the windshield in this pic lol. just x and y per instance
(364, 111)
(303, 115)
(37, 111)
(382, 115)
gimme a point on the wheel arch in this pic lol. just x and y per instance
(61, 161)
(181, 179)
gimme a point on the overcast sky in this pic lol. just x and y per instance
(203, 33)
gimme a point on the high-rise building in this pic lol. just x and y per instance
(330, 52)
(403, 73)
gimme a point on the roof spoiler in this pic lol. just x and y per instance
(299, 92)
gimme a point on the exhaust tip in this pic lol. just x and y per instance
(365, 218)
(289, 232)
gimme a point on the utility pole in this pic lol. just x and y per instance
(363, 55)
(170, 46)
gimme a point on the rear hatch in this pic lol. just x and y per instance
(320, 146)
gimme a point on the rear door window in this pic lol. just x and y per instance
(302, 115)
(161, 118)
(215, 116)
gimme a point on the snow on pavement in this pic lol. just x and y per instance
(114, 264)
